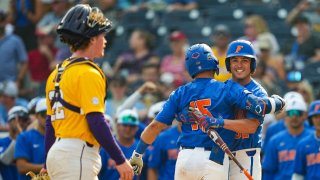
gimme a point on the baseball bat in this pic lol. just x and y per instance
(218, 140)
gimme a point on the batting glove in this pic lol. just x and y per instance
(136, 162)
(279, 103)
(206, 122)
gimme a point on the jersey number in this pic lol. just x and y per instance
(241, 136)
(57, 107)
(201, 105)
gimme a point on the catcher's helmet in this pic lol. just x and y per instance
(241, 48)
(84, 21)
(314, 110)
(18, 111)
(199, 58)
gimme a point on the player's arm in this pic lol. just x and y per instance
(243, 99)
(152, 174)
(239, 125)
(147, 137)
(8, 155)
(24, 166)
(242, 125)
(49, 138)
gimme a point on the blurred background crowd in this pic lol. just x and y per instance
(144, 63)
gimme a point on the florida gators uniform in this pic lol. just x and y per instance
(164, 154)
(215, 99)
(280, 155)
(247, 147)
(307, 162)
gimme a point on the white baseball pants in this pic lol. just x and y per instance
(250, 160)
(73, 159)
(194, 164)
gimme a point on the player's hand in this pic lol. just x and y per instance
(280, 103)
(125, 171)
(148, 87)
(136, 162)
(206, 122)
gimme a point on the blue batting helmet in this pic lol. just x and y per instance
(314, 110)
(199, 58)
(241, 48)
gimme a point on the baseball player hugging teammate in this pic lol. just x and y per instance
(212, 98)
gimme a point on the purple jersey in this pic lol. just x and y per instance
(278, 162)
(307, 162)
(244, 140)
(164, 154)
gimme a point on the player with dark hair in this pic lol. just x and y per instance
(212, 98)
(246, 146)
(281, 150)
(75, 92)
(241, 62)
(307, 162)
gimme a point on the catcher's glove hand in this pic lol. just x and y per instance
(136, 162)
(40, 176)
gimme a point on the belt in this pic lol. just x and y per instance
(188, 147)
(88, 144)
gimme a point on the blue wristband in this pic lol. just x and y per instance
(141, 147)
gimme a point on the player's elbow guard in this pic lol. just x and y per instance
(262, 106)
(277, 103)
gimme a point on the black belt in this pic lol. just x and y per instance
(188, 147)
(88, 144)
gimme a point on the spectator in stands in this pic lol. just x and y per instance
(181, 5)
(305, 89)
(118, 87)
(221, 38)
(8, 99)
(29, 149)
(305, 48)
(270, 71)
(255, 27)
(13, 55)
(41, 60)
(309, 9)
(150, 73)
(127, 126)
(175, 62)
(130, 63)
(134, 100)
(53, 18)
(25, 14)
(18, 121)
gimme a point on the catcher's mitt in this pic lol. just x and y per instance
(40, 176)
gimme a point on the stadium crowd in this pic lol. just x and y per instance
(145, 62)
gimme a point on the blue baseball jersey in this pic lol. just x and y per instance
(245, 140)
(30, 146)
(8, 172)
(164, 155)
(141, 128)
(108, 170)
(307, 162)
(277, 127)
(211, 98)
(278, 162)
